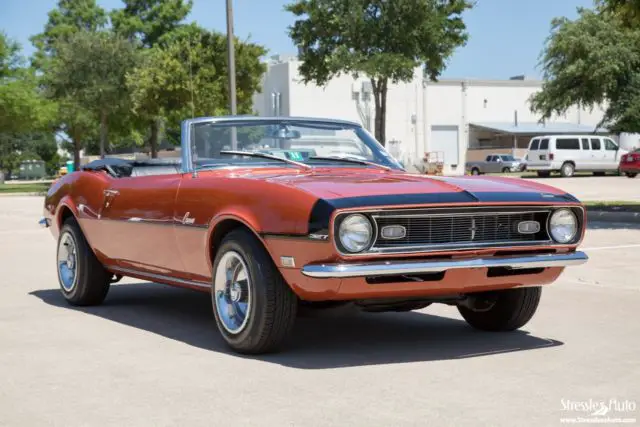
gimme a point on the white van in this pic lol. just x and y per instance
(569, 153)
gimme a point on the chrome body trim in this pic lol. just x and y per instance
(161, 278)
(501, 244)
(457, 214)
(390, 268)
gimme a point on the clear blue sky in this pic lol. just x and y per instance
(506, 36)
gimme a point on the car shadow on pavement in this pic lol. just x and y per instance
(333, 338)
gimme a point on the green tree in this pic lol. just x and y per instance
(151, 22)
(69, 17)
(626, 11)
(10, 59)
(592, 61)
(188, 77)
(22, 106)
(384, 40)
(90, 68)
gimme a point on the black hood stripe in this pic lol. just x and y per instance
(323, 208)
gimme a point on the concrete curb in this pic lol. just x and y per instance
(601, 215)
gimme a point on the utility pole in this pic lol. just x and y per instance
(232, 71)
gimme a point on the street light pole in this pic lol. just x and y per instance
(232, 71)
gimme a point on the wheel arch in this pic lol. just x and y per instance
(223, 225)
(65, 213)
(67, 209)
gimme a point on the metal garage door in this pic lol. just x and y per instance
(445, 139)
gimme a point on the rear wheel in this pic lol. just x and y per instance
(475, 171)
(253, 307)
(567, 169)
(82, 278)
(506, 170)
(505, 310)
(631, 174)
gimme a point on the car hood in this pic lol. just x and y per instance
(399, 188)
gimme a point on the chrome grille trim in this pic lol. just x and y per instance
(430, 220)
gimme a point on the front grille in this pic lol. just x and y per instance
(442, 229)
(449, 229)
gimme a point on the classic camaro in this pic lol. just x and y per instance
(268, 214)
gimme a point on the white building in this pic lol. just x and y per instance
(455, 119)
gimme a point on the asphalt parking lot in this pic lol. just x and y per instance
(606, 188)
(150, 356)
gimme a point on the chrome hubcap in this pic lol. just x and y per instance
(232, 293)
(67, 262)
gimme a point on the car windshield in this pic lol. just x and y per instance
(314, 143)
(508, 158)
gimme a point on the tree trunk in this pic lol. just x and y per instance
(153, 142)
(380, 98)
(103, 133)
(77, 145)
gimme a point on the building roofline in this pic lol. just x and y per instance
(485, 82)
(468, 81)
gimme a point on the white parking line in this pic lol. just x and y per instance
(602, 248)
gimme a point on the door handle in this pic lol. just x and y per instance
(109, 195)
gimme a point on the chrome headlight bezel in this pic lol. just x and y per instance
(567, 218)
(350, 225)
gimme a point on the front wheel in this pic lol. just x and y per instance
(82, 278)
(475, 171)
(505, 310)
(253, 307)
(631, 174)
(506, 170)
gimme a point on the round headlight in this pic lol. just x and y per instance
(563, 226)
(355, 233)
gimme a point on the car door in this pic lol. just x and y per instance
(138, 216)
(492, 164)
(610, 155)
(586, 155)
(597, 154)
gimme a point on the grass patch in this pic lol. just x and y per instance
(40, 187)
(613, 205)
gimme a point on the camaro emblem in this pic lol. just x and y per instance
(528, 227)
(473, 228)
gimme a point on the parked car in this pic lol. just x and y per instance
(263, 234)
(630, 163)
(496, 163)
(570, 153)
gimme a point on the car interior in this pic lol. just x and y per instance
(121, 168)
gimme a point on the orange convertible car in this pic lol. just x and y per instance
(270, 213)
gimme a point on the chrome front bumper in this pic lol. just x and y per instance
(390, 268)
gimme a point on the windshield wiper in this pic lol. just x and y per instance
(266, 156)
(350, 160)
